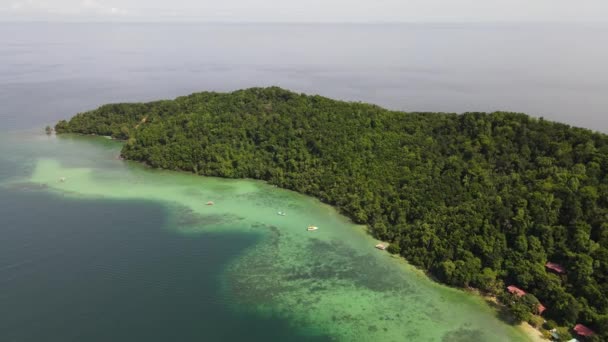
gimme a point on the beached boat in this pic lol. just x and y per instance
(312, 228)
(381, 246)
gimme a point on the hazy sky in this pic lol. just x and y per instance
(307, 10)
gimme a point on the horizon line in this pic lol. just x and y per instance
(413, 22)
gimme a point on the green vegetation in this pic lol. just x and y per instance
(477, 199)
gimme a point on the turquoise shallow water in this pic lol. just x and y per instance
(126, 252)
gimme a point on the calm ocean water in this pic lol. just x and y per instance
(50, 71)
(95, 270)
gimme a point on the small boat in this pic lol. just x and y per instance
(312, 228)
(62, 179)
(281, 213)
(210, 203)
(381, 246)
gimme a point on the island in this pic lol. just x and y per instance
(511, 205)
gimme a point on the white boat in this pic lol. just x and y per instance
(281, 213)
(381, 246)
(62, 179)
(312, 228)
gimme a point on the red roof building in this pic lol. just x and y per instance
(520, 293)
(541, 308)
(583, 330)
(516, 291)
(557, 268)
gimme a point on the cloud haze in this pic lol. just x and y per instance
(307, 11)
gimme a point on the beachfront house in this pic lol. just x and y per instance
(583, 331)
(557, 268)
(540, 309)
(520, 293)
(516, 290)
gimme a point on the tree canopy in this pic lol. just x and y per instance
(477, 199)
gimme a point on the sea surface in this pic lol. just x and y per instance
(121, 252)
(558, 71)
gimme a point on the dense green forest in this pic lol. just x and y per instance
(480, 200)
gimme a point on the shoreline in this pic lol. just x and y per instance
(532, 333)
(366, 299)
